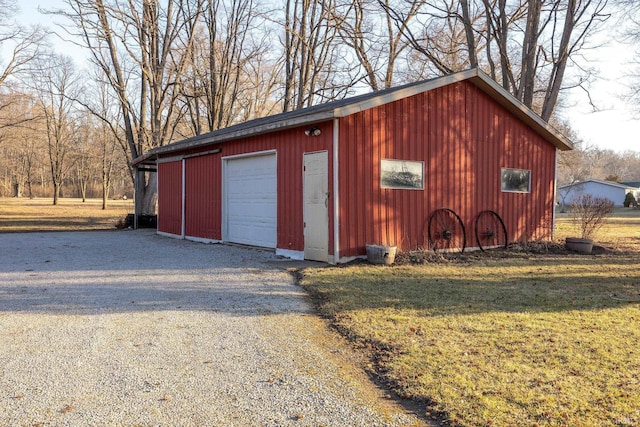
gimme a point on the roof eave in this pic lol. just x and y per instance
(147, 159)
(598, 181)
(243, 132)
(302, 118)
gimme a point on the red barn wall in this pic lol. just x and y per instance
(203, 203)
(464, 139)
(170, 197)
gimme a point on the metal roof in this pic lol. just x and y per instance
(345, 107)
(635, 184)
(599, 181)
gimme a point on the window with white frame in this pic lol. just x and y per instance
(515, 180)
(402, 174)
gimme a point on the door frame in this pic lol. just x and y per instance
(328, 195)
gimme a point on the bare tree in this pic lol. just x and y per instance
(83, 156)
(20, 45)
(230, 49)
(54, 84)
(367, 28)
(15, 109)
(261, 83)
(108, 159)
(526, 46)
(578, 18)
(142, 47)
(224, 78)
(310, 54)
(107, 134)
(21, 153)
(628, 22)
(433, 33)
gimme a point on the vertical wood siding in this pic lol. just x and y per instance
(202, 201)
(170, 197)
(204, 183)
(464, 139)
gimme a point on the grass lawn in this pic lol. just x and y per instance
(504, 338)
(39, 214)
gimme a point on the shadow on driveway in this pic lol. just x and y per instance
(132, 271)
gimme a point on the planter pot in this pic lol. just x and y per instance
(377, 254)
(579, 245)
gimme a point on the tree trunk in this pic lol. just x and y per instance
(106, 175)
(56, 192)
(469, 33)
(529, 53)
(146, 193)
(17, 191)
(560, 65)
(105, 193)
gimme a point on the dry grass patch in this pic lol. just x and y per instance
(531, 339)
(620, 232)
(39, 214)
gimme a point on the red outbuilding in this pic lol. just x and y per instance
(446, 163)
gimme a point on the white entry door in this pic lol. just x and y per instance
(251, 200)
(316, 206)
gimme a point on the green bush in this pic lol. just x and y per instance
(629, 200)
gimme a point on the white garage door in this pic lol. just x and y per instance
(251, 200)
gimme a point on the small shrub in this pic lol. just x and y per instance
(629, 200)
(590, 213)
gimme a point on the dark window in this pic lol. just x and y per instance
(516, 180)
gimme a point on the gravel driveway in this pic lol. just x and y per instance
(130, 328)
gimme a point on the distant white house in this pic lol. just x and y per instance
(613, 191)
(636, 186)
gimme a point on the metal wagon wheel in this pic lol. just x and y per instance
(490, 230)
(446, 231)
